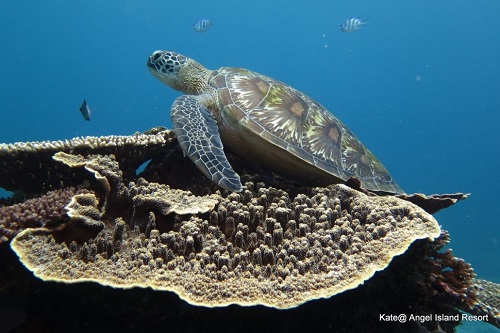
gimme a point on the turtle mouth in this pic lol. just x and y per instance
(150, 64)
(154, 61)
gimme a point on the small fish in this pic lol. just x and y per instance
(202, 25)
(353, 24)
(85, 110)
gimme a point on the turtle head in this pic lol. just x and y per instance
(178, 72)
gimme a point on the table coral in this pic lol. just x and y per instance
(28, 166)
(254, 248)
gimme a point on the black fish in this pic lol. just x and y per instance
(85, 110)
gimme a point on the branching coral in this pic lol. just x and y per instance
(45, 211)
(487, 301)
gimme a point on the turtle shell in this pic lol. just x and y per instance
(266, 120)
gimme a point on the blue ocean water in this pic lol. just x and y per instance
(419, 84)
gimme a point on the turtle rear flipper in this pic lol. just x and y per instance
(198, 136)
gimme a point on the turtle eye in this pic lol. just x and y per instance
(156, 56)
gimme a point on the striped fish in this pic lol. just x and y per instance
(85, 110)
(202, 25)
(353, 24)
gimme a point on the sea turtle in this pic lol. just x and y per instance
(262, 120)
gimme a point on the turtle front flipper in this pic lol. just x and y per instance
(198, 136)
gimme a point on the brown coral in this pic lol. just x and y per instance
(487, 301)
(44, 211)
(136, 198)
(435, 202)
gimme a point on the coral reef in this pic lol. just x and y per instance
(434, 202)
(44, 211)
(487, 301)
(430, 203)
(28, 166)
(277, 243)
